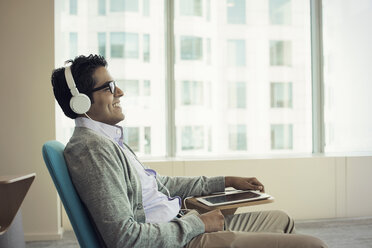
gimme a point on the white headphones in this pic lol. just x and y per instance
(79, 103)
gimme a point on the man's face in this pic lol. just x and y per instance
(106, 107)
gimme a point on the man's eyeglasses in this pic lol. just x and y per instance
(111, 85)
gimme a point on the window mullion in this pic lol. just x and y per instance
(170, 82)
(317, 76)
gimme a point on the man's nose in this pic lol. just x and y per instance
(118, 92)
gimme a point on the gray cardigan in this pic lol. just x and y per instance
(111, 190)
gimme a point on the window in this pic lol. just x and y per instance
(147, 145)
(234, 73)
(281, 136)
(347, 75)
(192, 138)
(280, 53)
(236, 52)
(191, 7)
(102, 44)
(191, 48)
(236, 11)
(146, 7)
(73, 44)
(281, 95)
(146, 48)
(280, 12)
(192, 93)
(146, 88)
(73, 7)
(124, 5)
(101, 7)
(237, 137)
(132, 138)
(124, 45)
(237, 95)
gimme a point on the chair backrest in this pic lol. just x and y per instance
(55, 161)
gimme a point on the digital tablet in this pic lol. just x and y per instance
(232, 197)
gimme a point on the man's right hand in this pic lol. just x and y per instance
(213, 221)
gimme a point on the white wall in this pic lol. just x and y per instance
(27, 107)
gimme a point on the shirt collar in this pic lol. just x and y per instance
(114, 132)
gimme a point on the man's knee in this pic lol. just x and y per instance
(312, 242)
(284, 218)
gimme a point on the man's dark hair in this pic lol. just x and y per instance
(82, 69)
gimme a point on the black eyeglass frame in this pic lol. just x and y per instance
(111, 85)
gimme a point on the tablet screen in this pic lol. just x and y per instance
(231, 197)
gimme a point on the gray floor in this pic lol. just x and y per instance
(337, 233)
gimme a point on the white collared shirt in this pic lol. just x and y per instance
(157, 206)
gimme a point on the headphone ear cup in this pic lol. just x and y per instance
(80, 103)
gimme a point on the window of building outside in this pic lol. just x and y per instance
(73, 44)
(237, 137)
(124, 45)
(236, 52)
(102, 44)
(191, 48)
(281, 136)
(193, 137)
(146, 47)
(191, 7)
(124, 5)
(192, 93)
(235, 11)
(101, 7)
(281, 95)
(237, 95)
(280, 53)
(280, 12)
(243, 89)
(73, 7)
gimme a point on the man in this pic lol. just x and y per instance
(133, 206)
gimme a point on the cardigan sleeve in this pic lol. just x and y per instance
(101, 178)
(192, 186)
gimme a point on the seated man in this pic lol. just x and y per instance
(133, 206)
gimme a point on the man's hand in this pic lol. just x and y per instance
(213, 221)
(244, 183)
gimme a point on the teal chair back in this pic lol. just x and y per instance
(79, 218)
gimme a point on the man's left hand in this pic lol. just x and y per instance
(244, 183)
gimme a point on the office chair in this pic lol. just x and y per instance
(84, 229)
